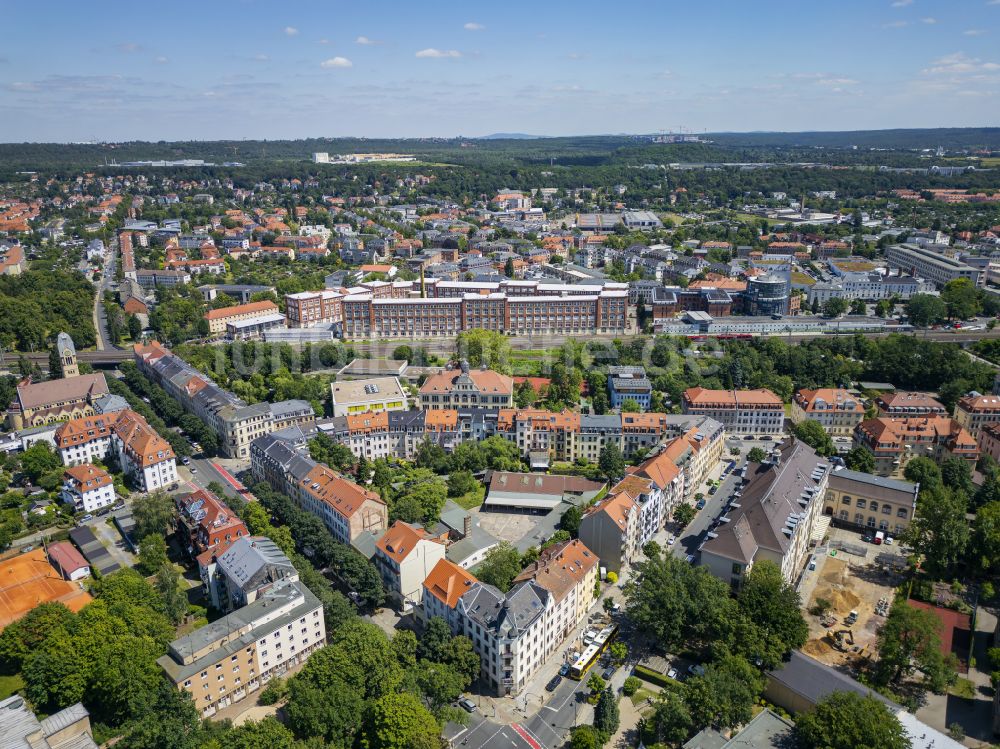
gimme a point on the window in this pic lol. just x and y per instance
(861, 504)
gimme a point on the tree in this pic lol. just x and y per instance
(925, 310)
(39, 459)
(500, 566)
(152, 553)
(618, 650)
(153, 513)
(364, 472)
(611, 462)
(134, 328)
(813, 434)
(835, 307)
(910, 639)
(571, 519)
(985, 539)
(487, 348)
(923, 471)
(725, 695)
(858, 307)
(508, 268)
(268, 733)
(956, 473)
(847, 720)
(939, 530)
(399, 721)
(671, 722)
(596, 682)
(585, 737)
(860, 459)
(599, 402)
(961, 297)
(606, 717)
(168, 585)
(756, 455)
(172, 722)
(55, 363)
(630, 405)
(683, 514)
(773, 606)
(331, 710)
(461, 483)
(440, 684)
(525, 395)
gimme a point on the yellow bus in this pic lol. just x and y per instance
(593, 652)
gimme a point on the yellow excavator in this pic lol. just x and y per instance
(838, 639)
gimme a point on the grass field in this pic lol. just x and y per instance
(9, 685)
(471, 499)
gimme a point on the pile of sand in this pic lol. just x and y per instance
(843, 601)
(817, 648)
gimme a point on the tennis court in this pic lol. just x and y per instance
(28, 580)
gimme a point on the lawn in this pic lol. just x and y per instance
(963, 688)
(471, 499)
(9, 685)
(640, 697)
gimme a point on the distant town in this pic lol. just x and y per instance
(451, 444)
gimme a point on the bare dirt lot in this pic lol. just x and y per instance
(506, 526)
(849, 584)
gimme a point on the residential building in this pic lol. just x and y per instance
(569, 571)
(87, 488)
(228, 659)
(930, 264)
(754, 412)
(657, 486)
(629, 383)
(67, 729)
(250, 567)
(466, 387)
(895, 441)
(836, 410)
(774, 516)
(989, 441)
(875, 503)
(219, 318)
(974, 411)
(446, 583)
(208, 522)
(905, 404)
(150, 278)
(367, 396)
(405, 556)
(145, 457)
(309, 308)
(611, 528)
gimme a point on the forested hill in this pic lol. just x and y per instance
(947, 137)
(584, 150)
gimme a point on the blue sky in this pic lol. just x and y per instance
(75, 71)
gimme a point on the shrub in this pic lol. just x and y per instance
(631, 686)
(612, 578)
(275, 691)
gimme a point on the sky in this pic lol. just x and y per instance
(232, 69)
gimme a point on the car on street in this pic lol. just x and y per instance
(86, 518)
(608, 673)
(194, 470)
(26, 549)
(564, 669)
(554, 682)
(186, 461)
(671, 540)
(468, 705)
(701, 504)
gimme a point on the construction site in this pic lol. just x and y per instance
(846, 599)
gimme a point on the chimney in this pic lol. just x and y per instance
(467, 526)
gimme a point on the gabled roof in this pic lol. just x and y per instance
(401, 539)
(448, 582)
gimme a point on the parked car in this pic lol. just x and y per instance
(564, 669)
(671, 540)
(701, 504)
(86, 518)
(468, 705)
(26, 549)
(119, 506)
(194, 470)
(672, 674)
(696, 669)
(554, 682)
(186, 461)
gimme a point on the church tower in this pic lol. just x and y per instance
(67, 355)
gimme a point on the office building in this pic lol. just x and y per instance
(930, 264)
(367, 396)
(629, 384)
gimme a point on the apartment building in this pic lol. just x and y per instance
(930, 264)
(250, 567)
(346, 509)
(219, 318)
(228, 659)
(145, 457)
(629, 384)
(446, 583)
(367, 396)
(975, 411)
(236, 423)
(893, 442)
(774, 516)
(405, 556)
(465, 387)
(611, 528)
(753, 412)
(207, 522)
(88, 488)
(905, 404)
(875, 503)
(569, 572)
(836, 410)
(309, 308)
(989, 441)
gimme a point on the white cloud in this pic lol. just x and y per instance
(958, 64)
(928, 20)
(129, 47)
(261, 58)
(291, 31)
(974, 32)
(337, 62)
(324, 41)
(837, 82)
(365, 41)
(438, 53)
(161, 60)
(895, 25)
(902, 3)
(473, 26)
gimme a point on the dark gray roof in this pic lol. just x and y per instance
(255, 561)
(812, 680)
(505, 616)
